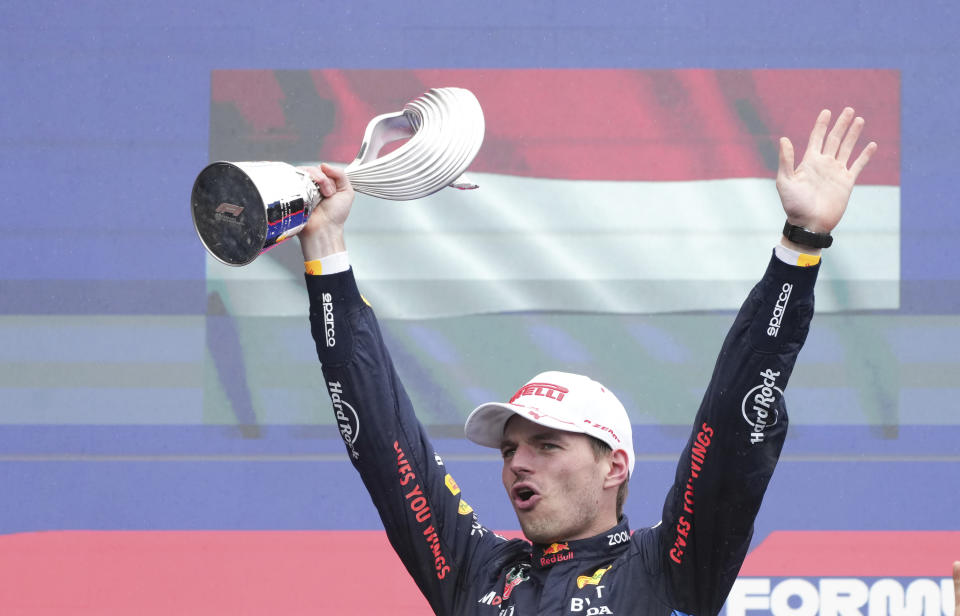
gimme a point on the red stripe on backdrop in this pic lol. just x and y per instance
(343, 572)
(854, 553)
(222, 572)
(204, 572)
(603, 124)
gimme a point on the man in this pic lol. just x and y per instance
(566, 440)
(956, 587)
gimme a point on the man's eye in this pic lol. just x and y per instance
(506, 453)
(548, 446)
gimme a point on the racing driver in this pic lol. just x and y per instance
(566, 440)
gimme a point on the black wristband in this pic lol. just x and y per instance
(804, 237)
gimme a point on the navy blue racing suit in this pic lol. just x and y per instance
(686, 564)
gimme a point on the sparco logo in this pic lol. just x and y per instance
(328, 325)
(347, 420)
(758, 405)
(773, 327)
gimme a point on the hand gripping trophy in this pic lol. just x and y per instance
(242, 209)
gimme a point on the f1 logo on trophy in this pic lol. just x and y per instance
(242, 209)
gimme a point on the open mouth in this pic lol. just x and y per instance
(525, 497)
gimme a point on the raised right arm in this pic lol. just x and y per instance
(435, 532)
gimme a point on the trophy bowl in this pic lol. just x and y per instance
(242, 209)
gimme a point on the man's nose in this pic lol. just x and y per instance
(521, 462)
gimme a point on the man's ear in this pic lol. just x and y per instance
(619, 469)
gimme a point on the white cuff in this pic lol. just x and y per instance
(792, 257)
(330, 264)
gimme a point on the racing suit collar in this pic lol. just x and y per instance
(610, 543)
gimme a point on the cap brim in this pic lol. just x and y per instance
(485, 424)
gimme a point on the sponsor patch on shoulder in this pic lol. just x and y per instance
(451, 484)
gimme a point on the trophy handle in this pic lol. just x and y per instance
(445, 128)
(381, 130)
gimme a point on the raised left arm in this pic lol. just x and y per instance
(741, 425)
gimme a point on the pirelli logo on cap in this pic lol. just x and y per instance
(547, 390)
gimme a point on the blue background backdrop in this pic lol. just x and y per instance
(105, 124)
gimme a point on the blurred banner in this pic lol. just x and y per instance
(605, 191)
(619, 210)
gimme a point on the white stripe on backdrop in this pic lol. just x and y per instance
(521, 244)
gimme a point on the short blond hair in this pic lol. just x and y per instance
(601, 449)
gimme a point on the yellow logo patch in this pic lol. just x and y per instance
(594, 579)
(451, 485)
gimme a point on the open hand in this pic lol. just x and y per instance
(815, 193)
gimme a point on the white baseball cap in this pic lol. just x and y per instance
(559, 400)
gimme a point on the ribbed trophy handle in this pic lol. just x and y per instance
(242, 209)
(445, 127)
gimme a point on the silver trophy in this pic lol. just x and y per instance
(242, 209)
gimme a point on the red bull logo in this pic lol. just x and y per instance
(555, 553)
(555, 548)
